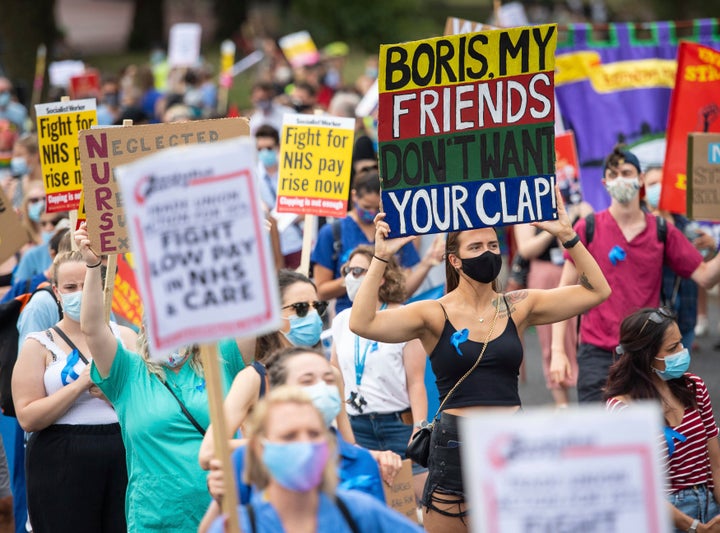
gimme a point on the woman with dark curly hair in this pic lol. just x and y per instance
(652, 365)
(384, 382)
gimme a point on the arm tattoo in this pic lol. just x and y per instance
(585, 282)
(511, 298)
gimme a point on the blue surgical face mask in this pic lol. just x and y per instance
(71, 304)
(18, 166)
(652, 194)
(175, 359)
(675, 365)
(268, 157)
(326, 398)
(4, 98)
(366, 215)
(305, 331)
(46, 236)
(297, 466)
(35, 210)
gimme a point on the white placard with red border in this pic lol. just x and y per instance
(203, 259)
(582, 469)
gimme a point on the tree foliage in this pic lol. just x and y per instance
(230, 15)
(148, 25)
(366, 23)
(23, 26)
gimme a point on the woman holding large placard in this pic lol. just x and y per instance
(473, 337)
(162, 405)
(652, 364)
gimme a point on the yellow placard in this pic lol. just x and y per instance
(58, 126)
(315, 160)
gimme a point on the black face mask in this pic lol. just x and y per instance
(484, 268)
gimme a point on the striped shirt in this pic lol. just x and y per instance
(690, 463)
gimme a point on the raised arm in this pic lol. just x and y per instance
(547, 306)
(414, 359)
(391, 325)
(99, 337)
(707, 275)
(560, 368)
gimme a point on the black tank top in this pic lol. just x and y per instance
(493, 382)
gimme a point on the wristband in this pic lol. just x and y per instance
(94, 266)
(381, 259)
(572, 242)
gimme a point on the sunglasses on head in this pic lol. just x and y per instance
(302, 308)
(660, 315)
(356, 271)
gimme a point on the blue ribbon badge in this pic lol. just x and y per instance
(458, 338)
(671, 434)
(68, 374)
(616, 254)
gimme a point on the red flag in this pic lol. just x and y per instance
(694, 107)
(126, 301)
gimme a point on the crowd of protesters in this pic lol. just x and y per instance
(317, 433)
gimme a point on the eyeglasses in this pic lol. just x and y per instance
(302, 308)
(658, 317)
(35, 199)
(356, 271)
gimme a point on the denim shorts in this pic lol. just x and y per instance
(444, 470)
(696, 502)
(383, 431)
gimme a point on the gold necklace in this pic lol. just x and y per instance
(481, 319)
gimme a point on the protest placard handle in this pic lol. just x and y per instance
(308, 237)
(73, 225)
(109, 286)
(213, 385)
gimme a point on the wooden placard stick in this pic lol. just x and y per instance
(213, 385)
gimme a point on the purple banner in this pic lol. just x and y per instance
(618, 90)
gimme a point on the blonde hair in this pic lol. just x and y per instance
(159, 369)
(62, 258)
(255, 472)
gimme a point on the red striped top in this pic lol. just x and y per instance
(690, 462)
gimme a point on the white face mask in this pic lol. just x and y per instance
(352, 285)
(623, 189)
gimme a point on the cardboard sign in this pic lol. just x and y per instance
(693, 108)
(203, 260)
(456, 26)
(401, 496)
(12, 233)
(703, 171)
(58, 125)
(315, 161)
(585, 469)
(466, 134)
(102, 149)
(299, 49)
(184, 44)
(567, 168)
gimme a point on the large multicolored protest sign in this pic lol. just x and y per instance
(58, 125)
(202, 253)
(315, 160)
(703, 176)
(102, 149)
(562, 473)
(694, 107)
(466, 135)
(616, 88)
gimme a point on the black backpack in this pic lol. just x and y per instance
(9, 336)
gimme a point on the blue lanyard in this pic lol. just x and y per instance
(360, 361)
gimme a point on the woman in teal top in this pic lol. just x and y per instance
(166, 486)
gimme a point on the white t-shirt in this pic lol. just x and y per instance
(383, 384)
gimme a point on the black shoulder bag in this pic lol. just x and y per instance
(419, 447)
(184, 410)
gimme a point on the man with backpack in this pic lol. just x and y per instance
(630, 246)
